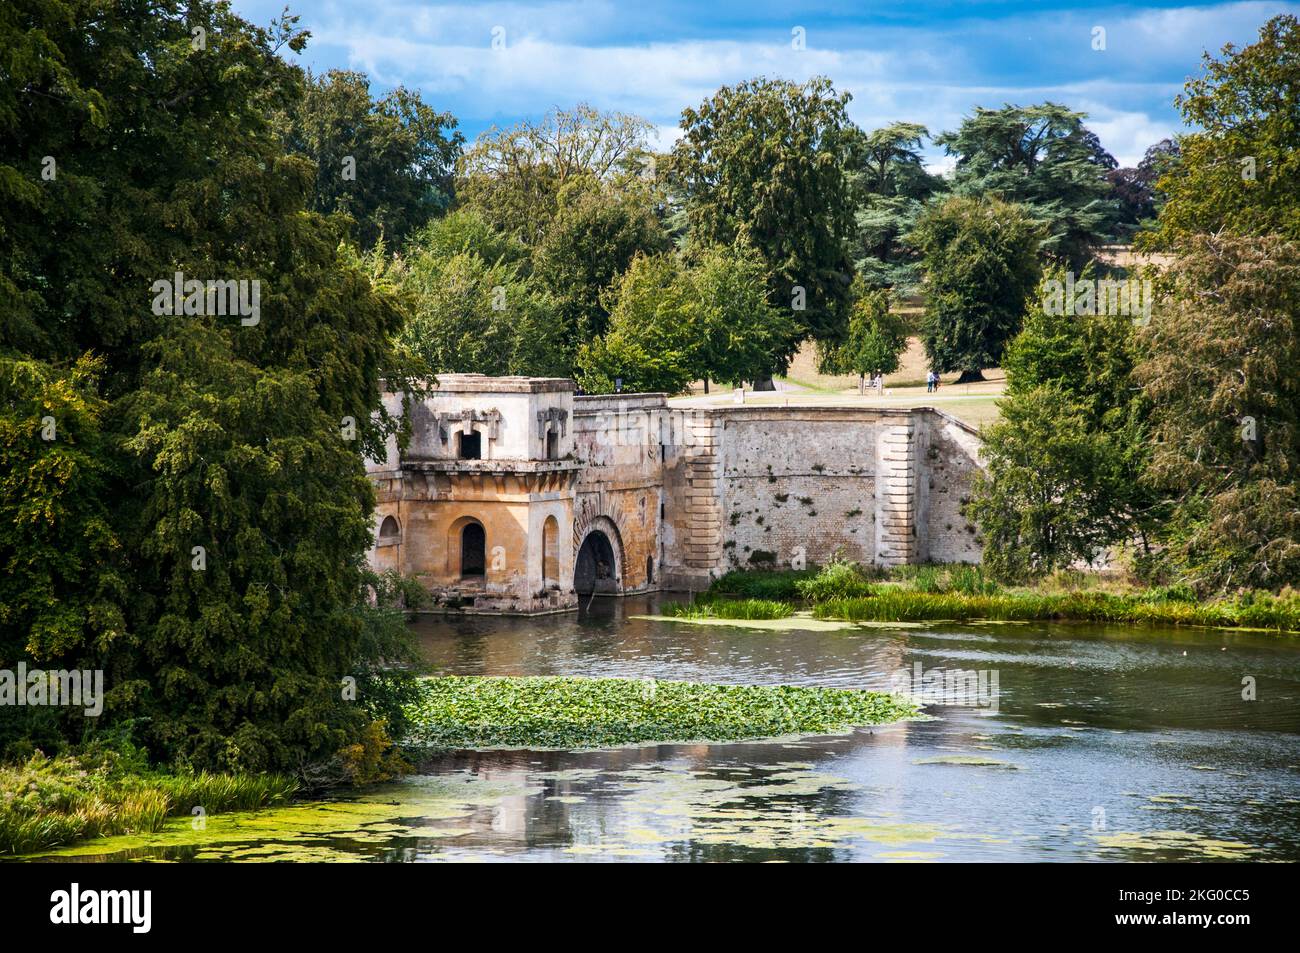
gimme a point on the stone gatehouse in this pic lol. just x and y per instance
(516, 495)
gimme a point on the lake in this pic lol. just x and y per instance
(1102, 742)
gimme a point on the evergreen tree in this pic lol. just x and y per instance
(1043, 158)
(387, 163)
(214, 493)
(890, 187)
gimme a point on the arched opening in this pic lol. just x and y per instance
(473, 551)
(389, 531)
(596, 568)
(550, 552)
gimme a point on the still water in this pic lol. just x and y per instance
(1103, 743)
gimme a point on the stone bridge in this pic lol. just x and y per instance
(515, 495)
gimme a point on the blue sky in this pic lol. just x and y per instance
(925, 61)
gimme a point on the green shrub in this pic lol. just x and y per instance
(769, 584)
(904, 605)
(45, 801)
(838, 579)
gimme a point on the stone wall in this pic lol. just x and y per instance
(620, 443)
(782, 487)
(682, 495)
(947, 458)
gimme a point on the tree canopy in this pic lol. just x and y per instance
(1240, 169)
(1044, 158)
(761, 162)
(198, 469)
(387, 163)
(980, 264)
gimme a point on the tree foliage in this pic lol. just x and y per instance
(1066, 461)
(876, 339)
(387, 163)
(653, 335)
(1240, 170)
(1043, 158)
(761, 163)
(595, 234)
(980, 262)
(1220, 376)
(738, 330)
(203, 430)
(890, 187)
(515, 176)
(470, 314)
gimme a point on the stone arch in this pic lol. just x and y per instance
(599, 563)
(467, 549)
(390, 531)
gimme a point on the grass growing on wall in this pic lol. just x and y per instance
(557, 712)
(45, 802)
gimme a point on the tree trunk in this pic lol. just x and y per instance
(971, 377)
(764, 383)
(706, 385)
(862, 384)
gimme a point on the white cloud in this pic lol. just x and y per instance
(559, 54)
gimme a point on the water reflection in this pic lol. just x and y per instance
(1107, 743)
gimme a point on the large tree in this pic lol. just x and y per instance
(653, 338)
(1134, 189)
(980, 262)
(515, 176)
(890, 186)
(590, 242)
(388, 163)
(876, 339)
(1065, 463)
(473, 314)
(1220, 373)
(1240, 169)
(762, 162)
(209, 451)
(738, 328)
(1044, 158)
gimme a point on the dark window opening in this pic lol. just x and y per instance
(552, 445)
(473, 550)
(470, 446)
(649, 569)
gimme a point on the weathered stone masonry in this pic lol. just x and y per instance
(515, 495)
